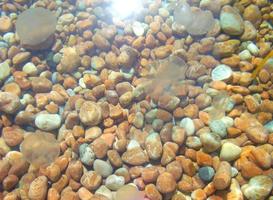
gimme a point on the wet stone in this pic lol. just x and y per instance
(206, 173)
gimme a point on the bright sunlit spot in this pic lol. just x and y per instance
(122, 9)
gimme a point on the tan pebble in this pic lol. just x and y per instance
(114, 158)
(169, 153)
(93, 133)
(70, 60)
(38, 188)
(135, 156)
(21, 58)
(185, 184)
(90, 113)
(124, 173)
(126, 99)
(164, 115)
(251, 103)
(165, 183)
(5, 24)
(98, 197)
(41, 84)
(75, 170)
(149, 175)
(84, 194)
(203, 159)
(262, 158)
(53, 172)
(163, 51)
(19, 168)
(91, 180)
(12, 135)
(222, 176)
(10, 182)
(100, 147)
(61, 183)
(175, 169)
(68, 194)
(226, 48)
(100, 41)
(187, 165)
(9, 103)
(152, 192)
(53, 194)
(4, 169)
(13, 88)
(198, 194)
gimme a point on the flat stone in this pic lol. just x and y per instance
(103, 168)
(206, 173)
(231, 21)
(221, 72)
(230, 152)
(48, 122)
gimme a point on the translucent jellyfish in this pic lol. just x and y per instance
(183, 14)
(40, 148)
(36, 27)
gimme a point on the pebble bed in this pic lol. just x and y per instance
(137, 109)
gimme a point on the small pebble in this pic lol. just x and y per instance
(230, 151)
(103, 168)
(188, 125)
(4, 70)
(219, 127)
(87, 156)
(48, 122)
(206, 173)
(114, 182)
(221, 72)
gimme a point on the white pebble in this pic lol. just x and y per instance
(138, 29)
(188, 125)
(114, 182)
(102, 167)
(253, 49)
(230, 151)
(245, 55)
(221, 72)
(30, 69)
(48, 122)
(133, 144)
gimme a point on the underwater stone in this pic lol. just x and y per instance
(4, 70)
(219, 127)
(40, 148)
(231, 22)
(48, 122)
(258, 187)
(221, 72)
(206, 173)
(188, 125)
(87, 156)
(39, 34)
(9, 102)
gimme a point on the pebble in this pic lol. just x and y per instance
(90, 113)
(5, 24)
(38, 188)
(87, 156)
(114, 182)
(135, 156)
(230, 152)
(269, 126)
(153, 146)
(259, 187)
(152, 192)
(9, 102)
(4, 70)
(210, 141)
(41, 84)
(165, 183)
(226, 48)
(231, 21)
(129, 191)
(254, 50)
(12, 135)
(30, 69)
(221, 73)
(219, 127)
(245, 55)
(222, 176)
(91, 180)
(103, 168)
(20, 58)
(188, 125)
(206, 173)
(69, 61)
(97, 63)
(48, 122)
(66, 19)
(253, 14)
(250, 32)
(103, 190)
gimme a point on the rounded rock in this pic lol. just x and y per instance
(114, 182)
(230, 152)
(103, 168)
(165, 183)
(90, 113)
(48, 122)
(221, 72)
(206, 173)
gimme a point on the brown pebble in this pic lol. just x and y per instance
(12, 135)
(152, 192)
(135, 156)
(21, 58)
(114, 158)
(53, 194)
(91, 180)
(5, 24)
(165, 183)
(38, 188)
(100, 147)
(149, 174)
(41, 84)
(10, 182)
(222, 176)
